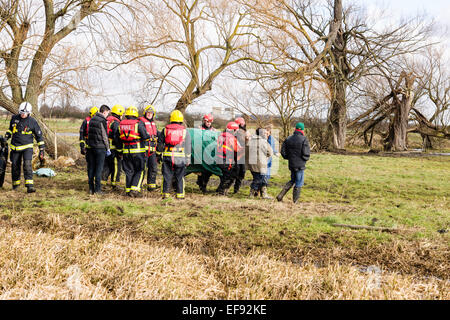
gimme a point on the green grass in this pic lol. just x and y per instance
(408, 193)
(405, 193)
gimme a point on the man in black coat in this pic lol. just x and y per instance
(296, 150)
(98, 150)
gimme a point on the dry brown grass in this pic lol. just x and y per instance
(36, 265)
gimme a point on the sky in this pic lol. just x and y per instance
(118, 90)
(437, 8)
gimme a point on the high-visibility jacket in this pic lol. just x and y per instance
(22, 132)
(227, 148)
(84, 130)
(133, 136)
(174, 143)
(112, 125)
(150, 126)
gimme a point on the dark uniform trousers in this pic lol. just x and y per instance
(203, 179)
(17, 157)
(227, 178)
(113, 168)
(2, 169)
(152, 166)
(240, 175)
(175, 172)
(134, 168)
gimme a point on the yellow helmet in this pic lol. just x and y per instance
(150, 108)
(118, 109)
(93, 111)
(176, 116)
(132, 111)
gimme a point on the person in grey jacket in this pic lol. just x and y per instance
(297, 151)
(258, 152)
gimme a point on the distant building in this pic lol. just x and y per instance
(223, 112)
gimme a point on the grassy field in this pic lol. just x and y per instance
(61, 243)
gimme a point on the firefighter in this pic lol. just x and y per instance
(228, 148)
(84, 130)
(3, 159)
(203, 177)
(207, 122)
(113, 163)
(152, 164)
(174, 143)
(242, 137)
(22, 128)
(133, 143)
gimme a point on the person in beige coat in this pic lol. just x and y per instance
(258, 152)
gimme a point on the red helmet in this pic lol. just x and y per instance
(232, 126)
(240, 121)
(208, 117)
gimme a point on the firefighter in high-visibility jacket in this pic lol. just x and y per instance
(152, 164)
(84, 130)
(22, 128)
(133, 143)
(113, 162)
(228, 148)
(174, 146)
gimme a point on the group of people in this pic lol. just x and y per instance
(135, 144)
(115, 139)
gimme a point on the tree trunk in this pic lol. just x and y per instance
(398, 129)
(337, 118)
(337, 115)
(426, 145)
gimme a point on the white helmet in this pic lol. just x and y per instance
(25, 107)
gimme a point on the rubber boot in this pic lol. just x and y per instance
(296, 194)
(264, 193)
(253, 193)
(237, 186)
(285, 189)
(31, 189)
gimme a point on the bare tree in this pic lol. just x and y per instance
(183, 46)
(432, 112)
(32, 32)
(336, 49)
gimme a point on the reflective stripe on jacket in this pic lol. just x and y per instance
(150, 126)
(22, 132)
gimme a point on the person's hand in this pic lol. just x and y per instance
(120, 155)
(108, 153)
(83, 151)
(42, 157)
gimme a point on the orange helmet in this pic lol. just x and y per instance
(208, 117)
(240, 121)
(232, 126)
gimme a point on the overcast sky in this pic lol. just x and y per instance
(437, 9)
